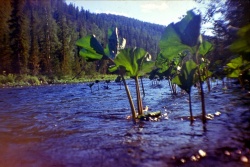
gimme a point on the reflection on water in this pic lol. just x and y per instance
(67, 125)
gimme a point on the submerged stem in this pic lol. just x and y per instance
(129, 98)
(142, 87)
(190, 109)
(201, 86)
(138, 95)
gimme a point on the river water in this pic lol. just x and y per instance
(70, 126)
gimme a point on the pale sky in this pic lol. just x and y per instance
(161, 12)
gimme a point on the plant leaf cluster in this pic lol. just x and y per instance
(239, 67)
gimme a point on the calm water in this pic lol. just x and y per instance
(68, 125)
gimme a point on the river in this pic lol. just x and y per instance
(70, 126)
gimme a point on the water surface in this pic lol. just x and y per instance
(68, 125)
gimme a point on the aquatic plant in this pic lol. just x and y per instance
(92, 50)
(184, 38)
(90, 86)
(239, 67)
(186, 79)
(136, 62)
(97, 82)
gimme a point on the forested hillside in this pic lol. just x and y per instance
(38, 36)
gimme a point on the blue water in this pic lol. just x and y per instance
(68, 125)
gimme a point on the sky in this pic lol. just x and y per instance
(161, 12)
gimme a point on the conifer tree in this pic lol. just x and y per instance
(5, 59)
(18, 38)
(34, 48)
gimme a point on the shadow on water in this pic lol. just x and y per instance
(68, 125)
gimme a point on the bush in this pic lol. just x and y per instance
(7, 79)
(32, 80)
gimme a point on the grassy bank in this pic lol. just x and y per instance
(12, 80)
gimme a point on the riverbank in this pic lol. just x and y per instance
(12, 80)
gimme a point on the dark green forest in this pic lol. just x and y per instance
(38, 37)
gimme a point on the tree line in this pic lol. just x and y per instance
(38, 36)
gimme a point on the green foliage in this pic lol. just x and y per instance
(5, 79)
(186, 78)
(239, 66)
(113, 42)
(205, 47)
(46, 32)
(91, 48)
(183, 38)
(170, 44)
(242, 44)
(179, 37)
(136, 61)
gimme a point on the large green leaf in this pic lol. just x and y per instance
(235, 73)
(235, 63)
(189, 28)
(170, 44)
(92, 49)
(90, 56)
(186, 79)
(180, 36)
(136, 61)
(113, 42)
(205, 47)
(242, 44)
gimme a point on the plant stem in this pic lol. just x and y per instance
(129, 98)
(208, 85)
(138, 95)
(190, 108)
(132, 106)
(169, 84)
(201, 86)
(142, 87)
(203, 103)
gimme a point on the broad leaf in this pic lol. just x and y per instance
(234, 74)
(180, 37)
(186, 79)
(113, 42)
(89, 56)
(92, 49)
(235, 63)
(189, 28)
(170, 44)
(135, 61)
(205, 47)
(242, 44)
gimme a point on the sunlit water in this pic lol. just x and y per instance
(68, 125)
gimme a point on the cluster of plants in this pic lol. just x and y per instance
(182, 60)
(239, 66)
